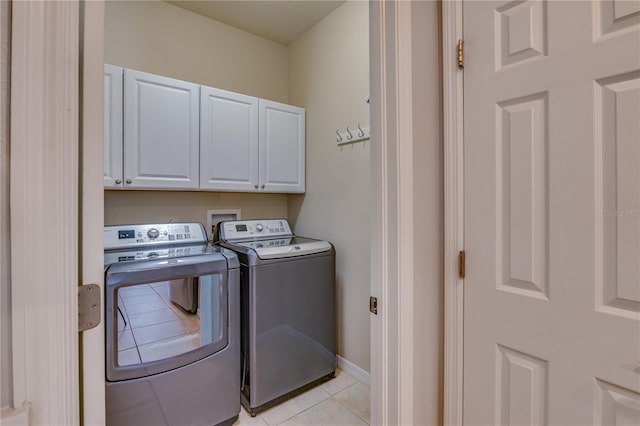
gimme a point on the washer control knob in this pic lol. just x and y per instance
(153, 233)
(259, 227)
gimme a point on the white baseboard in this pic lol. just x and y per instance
(15, 416)
(353, 370)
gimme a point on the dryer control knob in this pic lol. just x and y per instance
(153, 233)
(259, 227)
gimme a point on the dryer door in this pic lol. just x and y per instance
(150, 330)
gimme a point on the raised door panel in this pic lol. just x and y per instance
(228, 141)
(552, 229)
(161, 138)
(617, 106)
(113, 126)
(282, 147)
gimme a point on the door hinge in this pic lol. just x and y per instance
(373, 305)
(460, 53)
(88, 306)
(462, 267)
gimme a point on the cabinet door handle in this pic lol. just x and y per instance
(128, 181)
(255, 186)
(118, 181)
(262, 186)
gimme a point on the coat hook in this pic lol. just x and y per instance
(350, 135)
(361, 133)
(339, 138)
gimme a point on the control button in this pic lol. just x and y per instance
(259, 227)
(178, 236)
(153, 233)
(172, 237)
(187, 236)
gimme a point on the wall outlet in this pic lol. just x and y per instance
(216, 216)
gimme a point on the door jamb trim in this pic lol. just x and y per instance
(452, 31)
(45, 178)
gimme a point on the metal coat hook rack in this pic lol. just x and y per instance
(351, 136)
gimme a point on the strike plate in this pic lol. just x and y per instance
(88, 306)
(373, 305)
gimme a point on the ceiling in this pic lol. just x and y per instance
(280, 21)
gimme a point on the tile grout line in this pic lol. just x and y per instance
(354, 413)
(346, 406)
(306, 409)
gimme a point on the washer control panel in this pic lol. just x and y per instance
(126, 236)
(252, 229)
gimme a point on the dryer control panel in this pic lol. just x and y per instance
(239, 230)
(129, 236)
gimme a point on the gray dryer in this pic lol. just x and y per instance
(172, 314)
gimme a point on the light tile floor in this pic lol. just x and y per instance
(341, 401)
(150, 327)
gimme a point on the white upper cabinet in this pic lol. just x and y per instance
(228, 141)
(161, 132)
(112, 126)
(282, 147)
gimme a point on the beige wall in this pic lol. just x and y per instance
(5, 259)
(329, 76)
(428, 213)
(124, 207)
(159, 38)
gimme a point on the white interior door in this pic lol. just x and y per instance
(552, 212)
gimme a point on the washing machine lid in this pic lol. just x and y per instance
(280, 248)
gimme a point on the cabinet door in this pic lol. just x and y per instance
(161, 137)
(282, 147)
(112, 126)
(228, 141)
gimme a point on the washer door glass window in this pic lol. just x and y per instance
(164, 325)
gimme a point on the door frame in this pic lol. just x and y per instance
(392, 397)
(453, 125)
(395, 195)
(44, 205)
(92, 358)
(56, 128)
